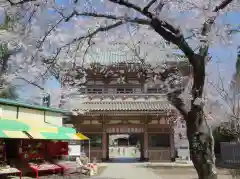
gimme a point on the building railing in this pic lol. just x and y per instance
(122, 94)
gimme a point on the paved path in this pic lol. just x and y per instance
(127, 171)
(128, 152)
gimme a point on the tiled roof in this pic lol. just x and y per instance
(128, 104)
(125, 106)
(119, 53)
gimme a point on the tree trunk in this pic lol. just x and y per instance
(201, 143)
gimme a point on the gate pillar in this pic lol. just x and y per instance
(104, 146)
(145, 138)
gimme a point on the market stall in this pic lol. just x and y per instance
(32, 138)
(58, 152)
(5, 169)
(57, 149)
(33, 153)
(69, 167)
(83, 138)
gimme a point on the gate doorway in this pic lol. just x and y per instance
(124, 148)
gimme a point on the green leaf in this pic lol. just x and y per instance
(9, 93)
(3, 50)
(8, 23)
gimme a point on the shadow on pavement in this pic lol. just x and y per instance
(105, 177)
(123, 160)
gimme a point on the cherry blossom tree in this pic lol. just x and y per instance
(55, 39)
(231, 127)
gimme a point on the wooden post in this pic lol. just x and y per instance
(172, 144)
(104, 146)
(104, 141)
(146, 145)
(146, 155)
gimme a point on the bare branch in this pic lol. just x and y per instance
(221, 6)
(199, 61)
(90, 43)
(112, 17)
(20, 2)
(171, 34)
(100, 29)
(178, 103)
(203, 51)
(30, 82)
(145, 9)
(132, 6)
(174, 35)
(163, 28)
(40, 43)
(234, 30)
(159, 7)
(127, 4)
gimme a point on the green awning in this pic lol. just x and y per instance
(37, 130)
(67, 130)
(3, 135)
(27, 125)
(13, 134)
(56, 136)
(13, 125)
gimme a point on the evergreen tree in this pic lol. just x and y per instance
(6, 89)
(9, 93)
(235, 87)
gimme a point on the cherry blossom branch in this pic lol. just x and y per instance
(159, 7)
(171, 34)
(199, 61)
(19, 2)
(40, 43)
(90, 35)
(163, 28)
(30, 82)
(223, 5)
(234, 30)
(178, 103)
(208, 25)
(112, 17)
(131, 6)
(145, 9)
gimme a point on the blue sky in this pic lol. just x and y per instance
(225, 55)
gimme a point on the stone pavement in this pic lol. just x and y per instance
(127, 171)
(114, 171)
(123, 168)
(120, 152)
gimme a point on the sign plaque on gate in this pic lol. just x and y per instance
(124, 130)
